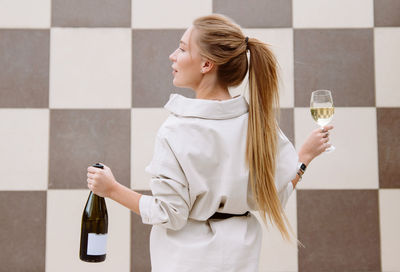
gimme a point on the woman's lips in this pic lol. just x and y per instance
(174, 71)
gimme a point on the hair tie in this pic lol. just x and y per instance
(247, 42)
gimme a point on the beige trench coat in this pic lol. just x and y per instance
(198, 168)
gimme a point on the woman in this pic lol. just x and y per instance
(216, 157)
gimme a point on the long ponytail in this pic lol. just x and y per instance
(262, 138)
(222, 41)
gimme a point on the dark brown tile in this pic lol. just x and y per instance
(388, 120)
(340, 60)
(79, 138)
(387, 12)
(286, 123)
(22, 230)
(24, 66)
(256, 13)
(91, 13)
(151, 68)
(339, 229)
(140, 242)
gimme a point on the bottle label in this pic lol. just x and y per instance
(97, 244)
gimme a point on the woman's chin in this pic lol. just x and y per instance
(177, 84)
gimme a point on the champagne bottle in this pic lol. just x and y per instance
(94, 228)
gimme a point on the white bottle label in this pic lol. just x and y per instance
(97, 244)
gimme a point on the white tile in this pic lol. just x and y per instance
(389, 201)
(354, 163)
(24, 149)
(277, 254)
(25, 13)
(64, 215)
(333, 14)
(143, 136)
(387, 59)
(90, 68)
(168, 14)
(281, 44)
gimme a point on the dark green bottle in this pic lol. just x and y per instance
(94, 228)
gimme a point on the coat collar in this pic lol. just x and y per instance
(205, 108)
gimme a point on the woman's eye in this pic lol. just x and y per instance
(181, 49)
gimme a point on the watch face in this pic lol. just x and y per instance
(303, 166)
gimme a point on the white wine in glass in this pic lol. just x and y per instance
(322, 109)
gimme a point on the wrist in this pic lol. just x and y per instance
(304, 158)
(114, 189)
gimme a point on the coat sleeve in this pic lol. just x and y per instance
(286, 167)
(169, 205)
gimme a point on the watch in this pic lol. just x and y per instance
(302, 169)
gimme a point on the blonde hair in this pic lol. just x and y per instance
(222, 41)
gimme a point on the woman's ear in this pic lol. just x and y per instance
(206, 66)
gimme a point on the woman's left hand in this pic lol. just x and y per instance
(315, 144)
(101, 181)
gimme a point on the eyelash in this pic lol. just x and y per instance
(181, 49)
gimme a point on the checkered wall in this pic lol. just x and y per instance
(85, 81)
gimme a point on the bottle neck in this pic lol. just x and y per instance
(97, 203)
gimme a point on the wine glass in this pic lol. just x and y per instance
(322, 109)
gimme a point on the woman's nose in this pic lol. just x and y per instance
(172, 56)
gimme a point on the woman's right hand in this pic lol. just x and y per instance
(315, 144)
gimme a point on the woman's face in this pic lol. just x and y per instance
(187, 62)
